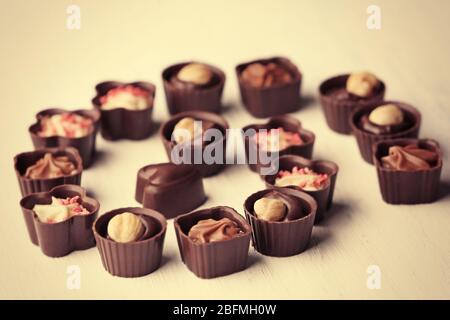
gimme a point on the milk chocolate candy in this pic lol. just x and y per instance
(289, 236)
(288, 124)
(85, 144)
(122, 122)
(213, 259)
(407, 186)
(366, 139)
(263, 101)
(204, 166)
(61, 238)
(136, 258)
(171, 189)
(24, 160)
(338, 104)
(182, 96)
(324, 195)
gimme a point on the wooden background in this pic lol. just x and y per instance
(45, 64)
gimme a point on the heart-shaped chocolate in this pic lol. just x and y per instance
(169, 188)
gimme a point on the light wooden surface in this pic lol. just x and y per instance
(44, 64)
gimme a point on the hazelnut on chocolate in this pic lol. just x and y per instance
(270, 209)
(195, 73)
(125, 227)
(185, 130)
(362, 84)
(386, 115)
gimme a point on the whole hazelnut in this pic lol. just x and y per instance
(125, 227)
(185, 130)
(362, 84)
(270, 209)
(196, 73)
(386, 115)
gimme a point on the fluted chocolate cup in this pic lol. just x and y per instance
(323, 196)
(85, 145)
(337, 112)
(289, 124)
(274, 100)
(366, 139)
(122, 123)
(171, 189)
(61, 238)
(132, 259)
(206, 169)
(26, 159)
(214, 259)
(183, 97)
(408, 187)
(282, 238)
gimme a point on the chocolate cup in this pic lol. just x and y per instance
(121, 123)
(367, 139)
(408, 187)
(23, 160)
(324, 196)
(281, 238)
(337, 113)
(204, 168)
(189, 97)
(85, 145)
(183, 193)
(133, 259)
(215, 259)
(288, 123)
(60, 239)
(275, 100)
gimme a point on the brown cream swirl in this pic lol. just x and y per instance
(409, 158)
(50, 167)
(210, 230)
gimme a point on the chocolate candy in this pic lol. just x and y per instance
(193, 86)
(170, 188)
(60, 221)
(294, 139)
(275, 235)
(367, 132)
(186, 152)
(136, 246)
(269, 87)
(342, 94)
(319, 183)
(408, 170)
(44, 173)
(218, 258)
(62, 128)
(126, 109)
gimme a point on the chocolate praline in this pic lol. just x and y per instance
(366, 139)
(126, 259)
(122, 123)
(287, 123)
(206, 169)
(86, 145)
(171, 189)
(60, 239)
(408, 186)
(338, 104)
(289, 236)
(183, 96)
(276, 99)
